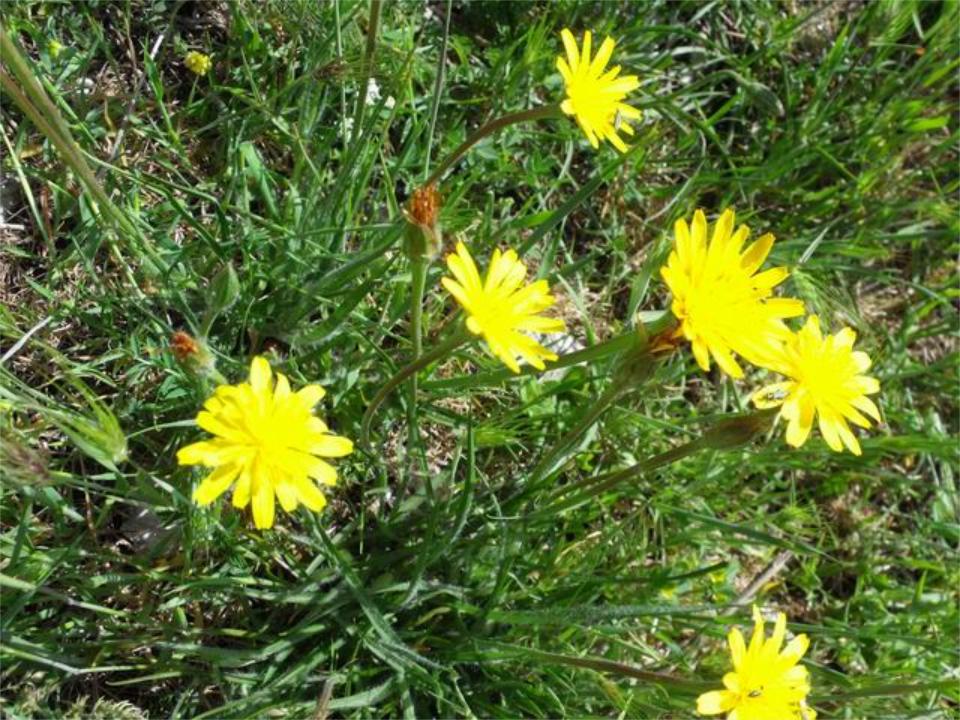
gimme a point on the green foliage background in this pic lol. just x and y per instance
(423, 591)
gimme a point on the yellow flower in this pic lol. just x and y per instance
(198, 63)
(267, 441)
(724, 307)
(54, 48)
(766, 684)
(826, 380)
(498, 308)
(595, 95)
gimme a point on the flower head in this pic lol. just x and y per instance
(197, 62)
(424, 235)
(184, 345)
(594, 94)
(192, 353)
(54, 48)
(766, 684)
(498, 308)
(268, 442)
(723, 305)
(826, 381)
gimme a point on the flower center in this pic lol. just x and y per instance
(588, 102)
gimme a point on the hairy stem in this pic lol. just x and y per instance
(418, 270)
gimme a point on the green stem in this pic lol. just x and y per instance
(437, 87)
(563, 445)
(598, 485)
(730, 433)
(367, 68)
(418, 270)
(491, 127)
(445, 348)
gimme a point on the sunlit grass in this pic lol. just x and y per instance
(257, 207)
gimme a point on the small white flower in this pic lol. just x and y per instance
(373, 92)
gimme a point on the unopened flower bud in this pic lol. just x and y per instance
(424, 237)
(192, 353)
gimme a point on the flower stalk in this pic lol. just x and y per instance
(537, 113)
(727, 434)
(452, 343)
(635, 367)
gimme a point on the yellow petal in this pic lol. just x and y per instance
(861, 360)
(721, 353)
(214, 424)
(458, 292)
(716, 702)
(770, 278)
(795, 650)
(702, 354)
(570, 46)
(799, 427)
(288, 495)
(322, 471)
(731, 681)
(205, 452)
(263, 506)
(828, 428)
(699, 231)
(756, 253)
(215, 484)
(867, 385)
(281, 390)
(785, 307)
(847, 436)
(845, 338)
(260, 374)
(310, 395)
(241, 491)
(331, 446)
(867, 405)
(738, 648)
(310, 494)
(603, 56)
(681, 232)
(779, 633)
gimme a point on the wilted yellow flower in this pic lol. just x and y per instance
(198, 63)
(827, 381)
(766, 684)
(498, 308)
(594, 94)
(268, 441)
(723, 305)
